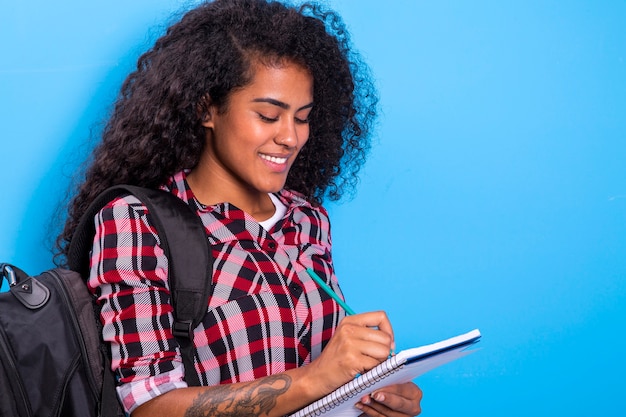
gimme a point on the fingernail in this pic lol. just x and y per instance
(359, 406)
(380, 397)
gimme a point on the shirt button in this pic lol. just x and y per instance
(271, 245)
(306, 341)
(295, 289)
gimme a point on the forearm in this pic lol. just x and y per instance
(275, 395)
(360, 342)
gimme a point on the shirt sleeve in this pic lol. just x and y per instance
(129, 277)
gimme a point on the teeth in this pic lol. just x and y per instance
(274, 159)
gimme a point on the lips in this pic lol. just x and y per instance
(274, 159)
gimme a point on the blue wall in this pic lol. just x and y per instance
(495, 196)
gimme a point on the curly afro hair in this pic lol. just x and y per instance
(155, 128)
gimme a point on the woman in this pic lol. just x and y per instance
(252, 113)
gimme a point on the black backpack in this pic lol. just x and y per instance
(53, 362)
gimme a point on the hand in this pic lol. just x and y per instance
(393, 400)
(359, 343)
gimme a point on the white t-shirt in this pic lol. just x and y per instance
(279, 213)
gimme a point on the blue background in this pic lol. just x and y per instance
(495, 195)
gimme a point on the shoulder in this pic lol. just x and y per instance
(127, 205)
(124, 222)
(124, 206)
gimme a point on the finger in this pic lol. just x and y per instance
(374, 409)
(402, 398)
(407, 390)
(357, 342)
(363, 334)
(390, 401)
(377, 319)
(364, 365)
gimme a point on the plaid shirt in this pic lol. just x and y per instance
(265, 314)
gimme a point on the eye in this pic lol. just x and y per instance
(303, 117)
(302, 121)
(267, 119)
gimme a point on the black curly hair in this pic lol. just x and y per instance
(155, 128)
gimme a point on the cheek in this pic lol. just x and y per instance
(303, 135)
(241, 136)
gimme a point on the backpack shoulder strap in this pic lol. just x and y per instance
(186, 246)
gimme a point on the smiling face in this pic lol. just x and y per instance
(253, 142)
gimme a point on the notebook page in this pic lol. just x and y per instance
(403, 367)
(344, 406)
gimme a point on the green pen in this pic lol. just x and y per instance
(334, 295)
(329, 291)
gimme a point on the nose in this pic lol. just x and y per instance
(287, 134)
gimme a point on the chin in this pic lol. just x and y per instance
(272, 188)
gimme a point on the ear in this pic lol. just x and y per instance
(206, 110)
(207, 118)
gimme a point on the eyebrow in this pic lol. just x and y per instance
(279, 103)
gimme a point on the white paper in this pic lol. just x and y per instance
(340, 403)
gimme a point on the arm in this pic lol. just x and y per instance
(130, 279)
(266, 396)
(360, 342)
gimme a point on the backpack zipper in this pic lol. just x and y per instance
(75, 325)
(14, 376)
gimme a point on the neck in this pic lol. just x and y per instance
(211, 188)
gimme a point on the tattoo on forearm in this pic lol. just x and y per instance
(255, 399)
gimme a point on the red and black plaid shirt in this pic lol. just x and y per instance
(265, 314)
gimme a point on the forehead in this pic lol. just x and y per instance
(281, 81)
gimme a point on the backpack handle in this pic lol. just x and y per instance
(8, 273)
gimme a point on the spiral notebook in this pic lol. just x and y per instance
(402, 367)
